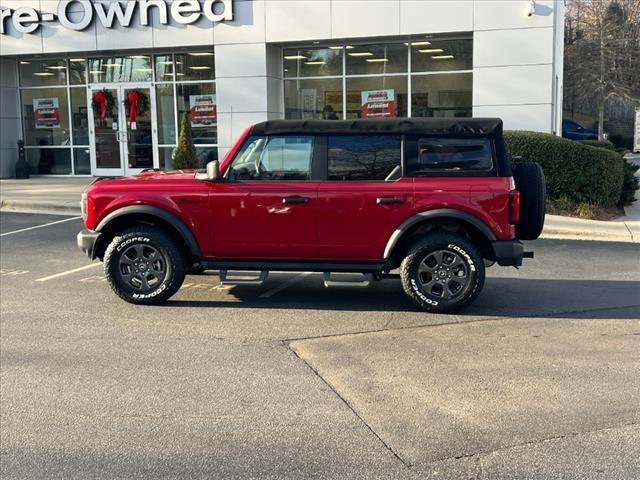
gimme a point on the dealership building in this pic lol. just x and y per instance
(100, 87)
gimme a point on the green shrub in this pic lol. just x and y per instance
(599, 143)
(582, 173)
(184, 156)
(629, 183)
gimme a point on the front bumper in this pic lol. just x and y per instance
(87, 240)
(510, 253)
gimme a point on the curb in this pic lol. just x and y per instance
(26, 206)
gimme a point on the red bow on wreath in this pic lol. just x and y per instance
(102, 101)
(133, 98)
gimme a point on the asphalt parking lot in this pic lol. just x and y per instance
(540, 378)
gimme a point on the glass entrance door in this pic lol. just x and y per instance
(123, 131)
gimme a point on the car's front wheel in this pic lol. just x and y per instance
(442, 272)
(144, 266)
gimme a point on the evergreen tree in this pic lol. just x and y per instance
(184, 156)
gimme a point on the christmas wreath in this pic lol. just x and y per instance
(103, 103)
(136, 103)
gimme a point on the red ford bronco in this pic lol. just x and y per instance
(435, 199)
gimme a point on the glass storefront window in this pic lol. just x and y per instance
(313, 62)
(49, 161)
(199, 101)
(319, 99)
(41, 73)
(195, 66)
(45, 116)
(165, 114)
(442, 55)
(164, 157)
(445, 95)
(77, 71)
(377, 59)
(79, 117)
(82, 161)
(132, 68)
(164, 68)
(376, 97)
(206, 155)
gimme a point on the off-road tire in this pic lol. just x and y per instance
(148, 239)
(426, 249)
(529, 179)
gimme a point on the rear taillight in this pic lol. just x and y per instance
(514, 207)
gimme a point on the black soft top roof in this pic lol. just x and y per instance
(425, 126)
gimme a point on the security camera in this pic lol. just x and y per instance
(531, 8)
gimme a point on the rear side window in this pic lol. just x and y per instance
(277, 157)
(362, 157)
(450, 156)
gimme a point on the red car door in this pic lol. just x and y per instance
(364, 198)
(266, 207)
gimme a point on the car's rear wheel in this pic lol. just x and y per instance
(530, 182)
(443, 272)
(144, 266)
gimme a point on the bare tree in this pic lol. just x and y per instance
(602, 54)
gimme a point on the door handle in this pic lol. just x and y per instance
(389, 200)
(294, 199)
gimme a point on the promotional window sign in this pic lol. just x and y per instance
(378, 103)
(46, 112)
(204, 111)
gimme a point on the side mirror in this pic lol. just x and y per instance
(213, 170)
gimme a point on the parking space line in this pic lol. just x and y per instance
(38, 226)
(68, 272)
(287, 284)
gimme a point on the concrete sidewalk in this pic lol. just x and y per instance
(43, 194)
(62, 196)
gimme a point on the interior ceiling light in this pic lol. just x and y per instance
(137, 57)
(146, 69)
(201, 54)
(431, 50)
(419, 44)
(23, 62)
(361, 54)
(76, 59)
(43, 74)
(200, 67)
(57, 67)
(376, 60)
(96, 72)
(319, 62)
(295, 57)
(336, 47)
(442, 57)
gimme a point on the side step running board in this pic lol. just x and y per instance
(331, 281)
(226, 279)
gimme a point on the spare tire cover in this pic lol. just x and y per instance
(529, 179)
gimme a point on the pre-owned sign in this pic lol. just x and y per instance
(185, 12)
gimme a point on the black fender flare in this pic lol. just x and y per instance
(170, 218)
(431, 215)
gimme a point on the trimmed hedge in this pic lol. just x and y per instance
(599, 143)
(579, 172)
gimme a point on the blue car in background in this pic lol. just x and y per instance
(574, 131)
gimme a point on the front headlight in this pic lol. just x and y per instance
(83, 205)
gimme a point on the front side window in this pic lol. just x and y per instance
(362, 157)
(274, 158)
(450, 156)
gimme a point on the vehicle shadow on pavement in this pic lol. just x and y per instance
(502, 297)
